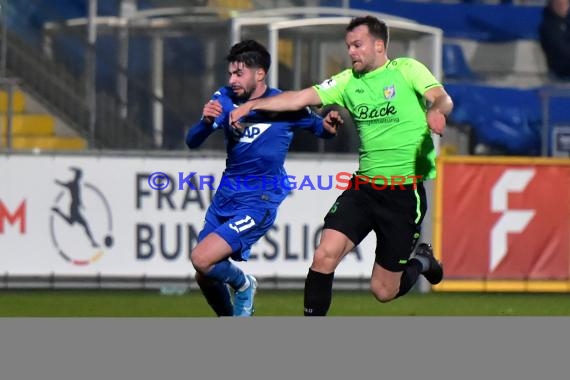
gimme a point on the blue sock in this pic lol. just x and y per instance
(227, 273)
(217, 295)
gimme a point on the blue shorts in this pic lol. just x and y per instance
(238, 224)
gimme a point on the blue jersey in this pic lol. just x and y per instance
(255, 157)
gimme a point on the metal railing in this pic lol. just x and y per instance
(64, 95)
(8, 85)
(547, 95)
(63, 83)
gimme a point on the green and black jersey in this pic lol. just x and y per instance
(389, 110)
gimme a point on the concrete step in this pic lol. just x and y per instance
(28, 125)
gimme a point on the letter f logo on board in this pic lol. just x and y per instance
(512, 181)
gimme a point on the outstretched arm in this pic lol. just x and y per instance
(286, 101)
(441, 105)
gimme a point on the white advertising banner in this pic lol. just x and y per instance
(99, 215)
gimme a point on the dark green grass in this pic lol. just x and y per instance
(130, 303)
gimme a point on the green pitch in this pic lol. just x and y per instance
(134, 303)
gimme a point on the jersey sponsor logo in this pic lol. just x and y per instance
(389, 92)
(329, 83)
(368, 112)
(252, 132)
(242, 224)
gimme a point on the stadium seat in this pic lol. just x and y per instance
(454, 64)
(507, 119)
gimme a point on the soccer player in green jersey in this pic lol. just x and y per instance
(394, 103)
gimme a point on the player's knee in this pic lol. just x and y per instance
(384, 292)
(324, 260)
(200, 262)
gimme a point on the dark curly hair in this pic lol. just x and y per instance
(251, 53)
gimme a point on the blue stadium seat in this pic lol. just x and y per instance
(454, 64)
(505, 118)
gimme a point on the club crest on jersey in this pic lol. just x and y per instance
(389, 92)
(251, 132)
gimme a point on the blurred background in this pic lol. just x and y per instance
(131, 74)
(94, 80)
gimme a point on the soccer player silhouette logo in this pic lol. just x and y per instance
(98, 213)
(75, 205)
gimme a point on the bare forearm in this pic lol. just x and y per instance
(285, 101)
(443, 104)
(288, 101)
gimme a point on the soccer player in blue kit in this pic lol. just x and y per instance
(253, 184)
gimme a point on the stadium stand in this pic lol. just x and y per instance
(491, 54)
(33, 129)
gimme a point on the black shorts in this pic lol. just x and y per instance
(395, 215)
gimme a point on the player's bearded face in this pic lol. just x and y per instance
(241, 80)
(360, 45)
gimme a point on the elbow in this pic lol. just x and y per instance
(192, 143)
(444, 104)
(447, 107)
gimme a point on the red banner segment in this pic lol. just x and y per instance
(505, 221)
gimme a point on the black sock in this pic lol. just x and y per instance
(411, 273)
(318, 293)
(218, 297)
